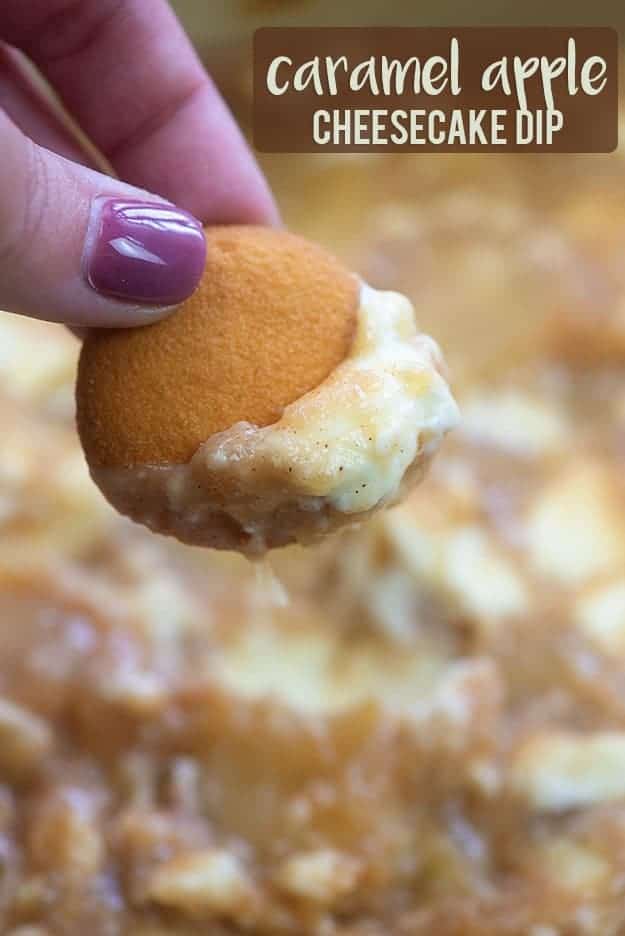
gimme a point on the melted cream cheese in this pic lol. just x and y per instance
(342, 450)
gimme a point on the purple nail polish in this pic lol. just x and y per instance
(144, 252)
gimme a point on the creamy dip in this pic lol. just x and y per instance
(346, 448)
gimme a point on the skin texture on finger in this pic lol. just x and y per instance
(127, 72)
(46, 210)
(22, 101)
(26, 107)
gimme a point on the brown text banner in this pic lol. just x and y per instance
(427, 89)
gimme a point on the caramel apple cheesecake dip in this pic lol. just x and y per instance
(428, 735)
(284, 400)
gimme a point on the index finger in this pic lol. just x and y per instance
(127, 72)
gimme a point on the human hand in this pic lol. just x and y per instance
(76, 245)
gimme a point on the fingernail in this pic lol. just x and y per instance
(144, 252)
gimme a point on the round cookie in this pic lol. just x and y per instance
(272, 318)
(284, 400)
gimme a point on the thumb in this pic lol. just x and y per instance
(79, 247)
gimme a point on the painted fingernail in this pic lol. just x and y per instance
(144, 252)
